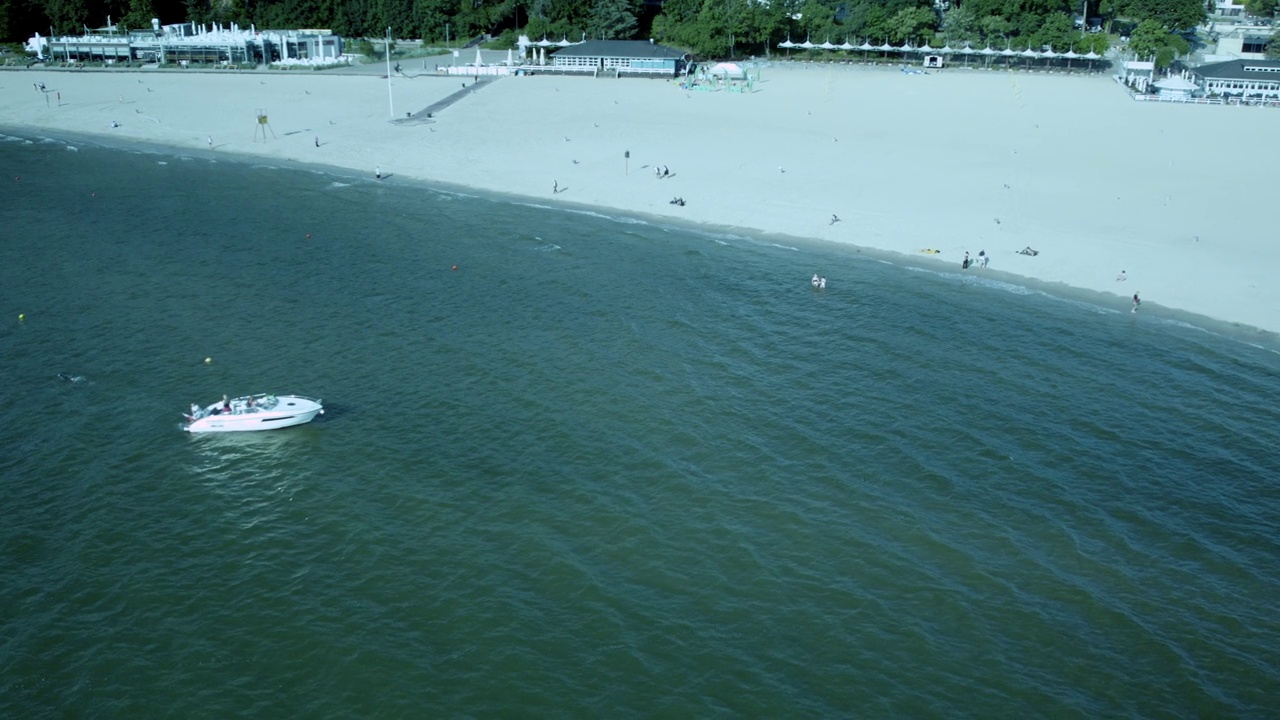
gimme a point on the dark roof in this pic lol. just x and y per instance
(619, 48)
(1236, 70)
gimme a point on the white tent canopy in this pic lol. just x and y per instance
(729, 70)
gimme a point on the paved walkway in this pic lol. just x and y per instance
(426, 114)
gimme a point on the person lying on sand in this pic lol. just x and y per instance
(1028, 251)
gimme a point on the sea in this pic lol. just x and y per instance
(575, 464)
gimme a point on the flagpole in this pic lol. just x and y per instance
(390, 102)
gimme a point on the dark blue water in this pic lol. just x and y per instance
(603, 468)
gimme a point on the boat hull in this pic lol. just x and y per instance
(283, 411)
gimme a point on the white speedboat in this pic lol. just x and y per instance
(253, 412)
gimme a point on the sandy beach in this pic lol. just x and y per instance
(960, 161)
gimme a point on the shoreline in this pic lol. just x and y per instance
(771, 163)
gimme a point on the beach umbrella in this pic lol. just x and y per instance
(1030, 55)
(806, 44)
(510, 59)
(543, 59)
(1070, 55)
(846, 46)
(826, 45)
(787, 43)
(1091, 56)
(564, 42)
(947, 50)
(544, 42)
(1008, 54)
(886, 47)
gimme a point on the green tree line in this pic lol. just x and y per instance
(708, 28)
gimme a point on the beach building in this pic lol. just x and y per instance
(1240, 78)
(1175, 87)
(620, 57)
(187, 43)
(1248, 42)
(1228, 8)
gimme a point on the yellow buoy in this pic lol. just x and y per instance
(208, 361)
(21, 317)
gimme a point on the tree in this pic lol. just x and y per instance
(139, 15)
(995, 29)
(430, 17)
(65, 15)
(1095, 42)
(817, 20)
(1057, 32)
(1260, 8)
(1273, 48)
(1151, 39)
(613, 20)
(1171, 14)
(960, 25)
(1147, 38)
(910, 23)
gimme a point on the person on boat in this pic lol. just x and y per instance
(248, 402)
(226, 405)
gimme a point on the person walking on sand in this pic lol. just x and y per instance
(317, 141)
(555, 187)
(983, 258)
(834, 219)
(210, 140)
(1136, 303)
(377, 173)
